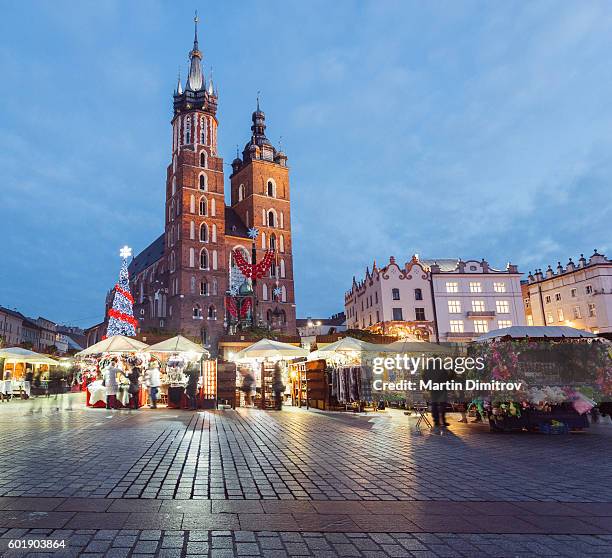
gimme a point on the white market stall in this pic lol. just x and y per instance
(258, 364)
(19, 366)
(92, 360)
(178, 355)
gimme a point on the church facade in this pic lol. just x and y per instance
(185, 279)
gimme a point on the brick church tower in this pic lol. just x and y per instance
(195, 204)
(180, 281)
(260, 197)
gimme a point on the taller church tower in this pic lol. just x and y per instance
(195, 220)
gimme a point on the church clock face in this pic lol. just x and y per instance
(267, 154)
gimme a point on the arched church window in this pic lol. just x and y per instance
(271, 187)
(204, 288)
(203, 159)
(272, 241)
(212, 312)
(240, 192)
(203, 206)
(271, 218)
(203, 259)
(203, 131)
(203, 182)
(197, 311)
(203, 232)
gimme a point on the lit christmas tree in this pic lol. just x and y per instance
(121, 319)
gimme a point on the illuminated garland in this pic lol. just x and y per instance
(230, 304)
(121, 319)
(256, 271)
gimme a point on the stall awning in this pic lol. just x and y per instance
(115, 344)
(17, 354)
(268, 348)
(178, 344)
(522, 332)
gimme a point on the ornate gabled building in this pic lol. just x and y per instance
(182, 281)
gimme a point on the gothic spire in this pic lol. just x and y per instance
(179, 87)
(195, 80)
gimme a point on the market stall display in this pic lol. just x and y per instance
(180, 359)
(22, 370)
(563, 374)
(94, 360)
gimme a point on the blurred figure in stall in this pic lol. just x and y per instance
(278, 387)
(248, 386)
(134, 389)
(191, 388)
(153, 382)
(110, 383)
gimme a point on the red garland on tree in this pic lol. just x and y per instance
(256, 271)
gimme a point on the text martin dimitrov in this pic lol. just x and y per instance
(413, 364)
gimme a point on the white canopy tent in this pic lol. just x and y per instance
(115, 344)
(268, 348)
(178, 344)
(344, 346)
(17, 354)
(522, 332)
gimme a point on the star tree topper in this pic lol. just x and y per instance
(125, 252)
(253, 233)
(277, 291)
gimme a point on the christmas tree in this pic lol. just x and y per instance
(121, 319)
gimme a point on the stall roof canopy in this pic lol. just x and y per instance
(178, 344)
(114, 344)
(17, 354)
(270, 348)
(520, 332)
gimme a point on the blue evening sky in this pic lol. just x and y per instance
(449, 129)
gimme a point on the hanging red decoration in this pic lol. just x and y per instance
(125, 293)
(230, 304)
(256, 271)
(112, 313)
(246, 306)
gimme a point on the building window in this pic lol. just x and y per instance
(557, 297)
(454, 307)
(481, 326)
(203, 131)
(397, 315)
(203, 159)
(501, 324)
(588, 289)
(241, 193)
(203, 259)
(549, 318)
(418, 294)
(456, 326)
(475, 287)
(452, 287)
(271, 218)
(203, 232)
(499, 287)
(203, 182)
(212, 312)
(592, 312)
(271, 189)
(395, 294)
(203, 288)
(547, 299)
(502, 307)
(420, 314)
(264, 290)
(376, 297)
(577, 314)
(573, 293)
(478, 306)
(560, 314)
(197, 312)
(203, 206)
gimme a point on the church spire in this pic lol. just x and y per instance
(195, 80)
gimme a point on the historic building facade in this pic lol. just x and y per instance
(182, 280)
(435, 300)
(578, 295)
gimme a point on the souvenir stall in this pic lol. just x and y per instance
(258, 364)
(93, 360)
(22, 371)
(179, 357)
(347, 374)
(563, 374)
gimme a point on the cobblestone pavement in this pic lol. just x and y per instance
(294, 483)
(295, 454)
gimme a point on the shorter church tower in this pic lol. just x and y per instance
(260, 197)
